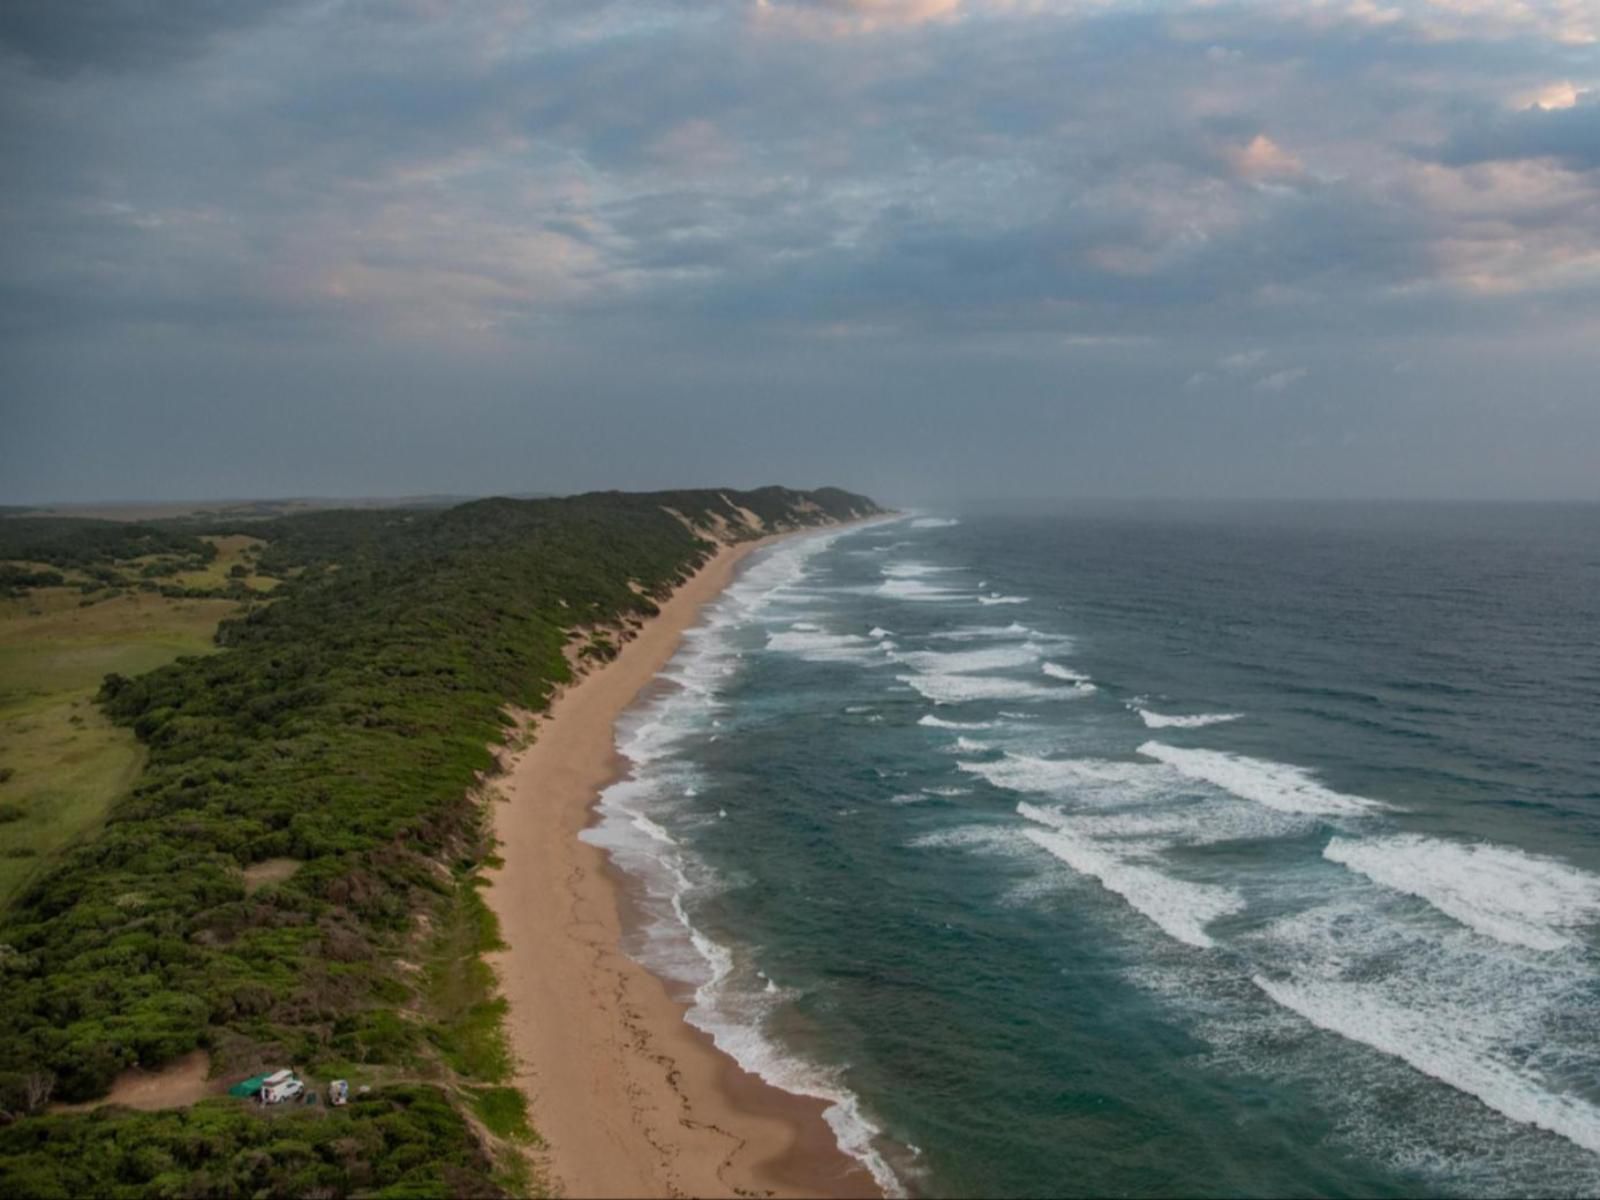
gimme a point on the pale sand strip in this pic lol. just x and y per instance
(631, 1100)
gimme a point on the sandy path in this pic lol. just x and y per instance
(179, 1084)
(631, 1100)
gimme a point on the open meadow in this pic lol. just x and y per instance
(62, 762)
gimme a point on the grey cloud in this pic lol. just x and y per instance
(62, 36)
(1279, 381)
(584, 221)
(1570, 136)
(1241, 361)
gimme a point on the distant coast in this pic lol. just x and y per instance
(630, 1099)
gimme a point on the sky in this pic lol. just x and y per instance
(928, 249)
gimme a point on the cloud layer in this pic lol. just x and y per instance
(483, 240)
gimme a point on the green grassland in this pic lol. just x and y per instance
(235, 552)
(62, 761)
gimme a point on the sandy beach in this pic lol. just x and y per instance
(630, 1099)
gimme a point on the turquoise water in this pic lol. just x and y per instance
(1140, 851)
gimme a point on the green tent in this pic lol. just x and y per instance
(248, 1087)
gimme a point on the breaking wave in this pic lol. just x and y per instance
(1155, 720)
(1501, 892)
(934, 722)
(957, 689)
(915, 589)
(1180, 908)
(1276, 785)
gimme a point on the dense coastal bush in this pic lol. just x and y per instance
(400, 1141)
(82, 542)
(344, 728)
(15, 577)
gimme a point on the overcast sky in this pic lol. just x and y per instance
(924, 248)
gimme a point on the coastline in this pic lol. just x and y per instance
(631, 1099)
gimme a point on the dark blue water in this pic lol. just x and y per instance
(1141, 851)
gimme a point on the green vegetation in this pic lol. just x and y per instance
(461, 989)
(394, 1142)
(16, 579)
(65, 777)
(110, 559)
(233, 563)
(83, 543)
(62, 761)
(346, 728)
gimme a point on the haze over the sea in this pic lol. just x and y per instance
(925, 248)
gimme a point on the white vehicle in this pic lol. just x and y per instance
(280, 1087)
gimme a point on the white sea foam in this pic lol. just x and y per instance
(917, 590)
(1096, 781)
(1155, 720)
(1057, 671)
(1501, 892)
(734, 1012)
(1460, 984)
(912, 570)
(732, 1003)
(1276, 785)
(1193, 824)
(946, 791)
(657, 732)
(955, 689)
(1001, 657)
(934, 522)
(821, 647)
(1507, 1025)
(933, 722)
(966, 745)
(997, 598)
(878, 631)
(1080, 682)
(1180, 908)
(1435, 1043)
(1014, 631)
(856, 709)
(1005, 841)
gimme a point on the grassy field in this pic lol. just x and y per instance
(62, 763)
(233, 550)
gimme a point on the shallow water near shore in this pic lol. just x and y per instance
(1223, 851)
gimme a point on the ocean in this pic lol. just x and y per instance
(1148, 850)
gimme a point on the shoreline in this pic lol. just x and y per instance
(631, 1099)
